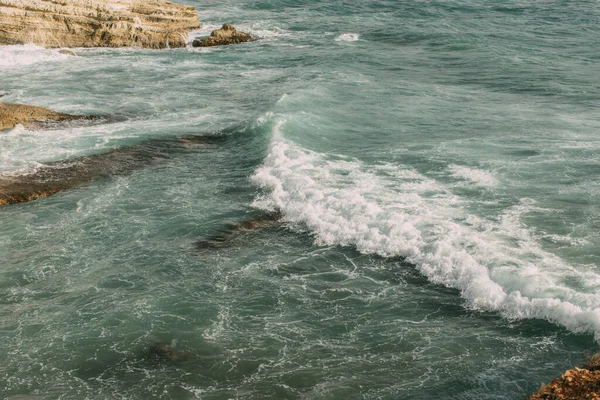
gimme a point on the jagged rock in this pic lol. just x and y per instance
(31, 116)
(220, 37)
(574, 384)
(96, 23)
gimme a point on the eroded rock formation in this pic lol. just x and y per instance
(220, 37)
(32, 116)
(574, 384)
(96, 23)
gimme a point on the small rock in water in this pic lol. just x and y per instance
(224, 36)
(67, 52)
(167, 352)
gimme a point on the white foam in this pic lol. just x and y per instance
(204, 30)
(23, 55)
(22, 150)
(392, 211)
(476, 176)
(347, 37)
(258, 31)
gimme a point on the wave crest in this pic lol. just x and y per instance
(394, 211)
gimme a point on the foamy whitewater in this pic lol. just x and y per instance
(496, 264)
(433, 173)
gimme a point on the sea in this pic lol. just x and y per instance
(375, 199)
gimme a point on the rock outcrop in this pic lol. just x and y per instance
(574, 384)
(220, 37)
(96, 23)
(56, 176)
(31, 116)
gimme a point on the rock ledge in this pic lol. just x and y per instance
(12, 115)
(96, 23)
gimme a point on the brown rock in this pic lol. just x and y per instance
(31, 116)
(224, 36)
(574, 384)
(96, 23)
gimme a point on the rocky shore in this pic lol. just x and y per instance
(96, 23)
(91, 23)
(12, 115)
(575, 384)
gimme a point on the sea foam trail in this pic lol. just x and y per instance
(347, 37)
(18, 56)
(475, 176)
(394, 211)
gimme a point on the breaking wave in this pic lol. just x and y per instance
(394, 211)
(24, 55)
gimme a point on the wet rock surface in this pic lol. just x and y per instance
(224, 36)
(231, 231)
(54, 177)
(67, 52)
(33, 117)
(575, 384)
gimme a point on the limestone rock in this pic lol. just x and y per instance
(31, 116)
(96, 23)
(219, 37)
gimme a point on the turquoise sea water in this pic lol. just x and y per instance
(436, 166)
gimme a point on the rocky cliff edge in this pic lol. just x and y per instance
(96, 23)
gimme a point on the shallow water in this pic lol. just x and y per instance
(436, 169)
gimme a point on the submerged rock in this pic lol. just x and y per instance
(230, 231)
(96, 23)
(224, 36)
(167, 352)
(32, 116)
(574, 384)
(56, 176)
